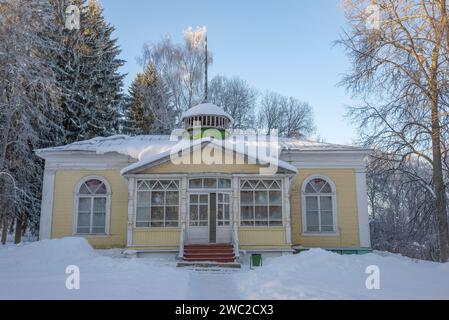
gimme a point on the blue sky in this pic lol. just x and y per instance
(284, 46)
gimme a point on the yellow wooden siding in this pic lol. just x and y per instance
(347, 217)
(157, 237)
(63, 211)
(252, 238)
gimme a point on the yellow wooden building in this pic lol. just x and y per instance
(160, 194)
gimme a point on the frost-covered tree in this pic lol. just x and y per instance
(88, 72)
(28, 108)
(237, 97)
(289, 116)
(148, 109)
(399, 50)
(181, 67)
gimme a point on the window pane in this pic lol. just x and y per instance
(220, 213)
(83, 230)
(157, 198)
(84, 189)
(143, 214)
(142, 224)
(99, 220)
(172, 197)
(171, 213)
(326, 188)
(312, 220)
(261, 213)
(317, 184)
(275, 213)
(247, 213)
(326, 218)
(311, 203)
(173, 186)
(309, 189)
(327, 229)
(101, 189)
(312, 228)
(210, 183)
(157, 224)
(203, 213)
(143, 199)
(246, 197)
(275, 197)
(93, 185)
(226, 211)
(195, 183)
(224, 183)
(84, 205)
(100, 205)
(171, 223)
(204, 198)
(261, 197)
(247, 223)
(275, 223)
(98, 230)
(193, 215)
(194, 198)
(261, 223)
(157, 213)
(326, 203)
(84, 219)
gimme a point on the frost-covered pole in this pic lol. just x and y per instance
(205, 68)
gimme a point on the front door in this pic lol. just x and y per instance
(209, 218)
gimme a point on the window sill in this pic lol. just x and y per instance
(91, 235)
(320, 234)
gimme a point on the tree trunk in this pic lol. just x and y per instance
(4, 231)
(440, 192)
(18, 231)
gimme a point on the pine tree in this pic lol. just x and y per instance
(148, 109)
(88, 73)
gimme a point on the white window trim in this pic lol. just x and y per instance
(76, 203)
(150, 228)
(334, 207)
(256, 177)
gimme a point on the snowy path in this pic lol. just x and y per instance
(213, 285)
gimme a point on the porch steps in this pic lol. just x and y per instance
(210, 255)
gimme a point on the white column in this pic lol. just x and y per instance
(183, 216)
(287, 213)
(362, 208)
(48, 189)
(131, 192)
(235, 215)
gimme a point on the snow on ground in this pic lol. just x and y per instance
(37, 271)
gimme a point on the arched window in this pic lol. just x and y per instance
(92, 206)
(319, 213)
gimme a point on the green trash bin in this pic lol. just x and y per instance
(256, 260)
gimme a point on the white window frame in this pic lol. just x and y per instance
(108, 196)
(178, 181)
(281, 190)
(333, 195)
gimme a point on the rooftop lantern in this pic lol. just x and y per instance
(206, 116)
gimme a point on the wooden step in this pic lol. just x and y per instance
(209, 259)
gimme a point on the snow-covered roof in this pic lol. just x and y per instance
(207, 109)
(147, 159)
(138, 147)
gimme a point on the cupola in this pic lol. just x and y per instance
(206, 116)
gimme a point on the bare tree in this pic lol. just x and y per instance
(181, 66)
(289, 116)
(237, 98)
(400, 61)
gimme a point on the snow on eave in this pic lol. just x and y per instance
(187, 145)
